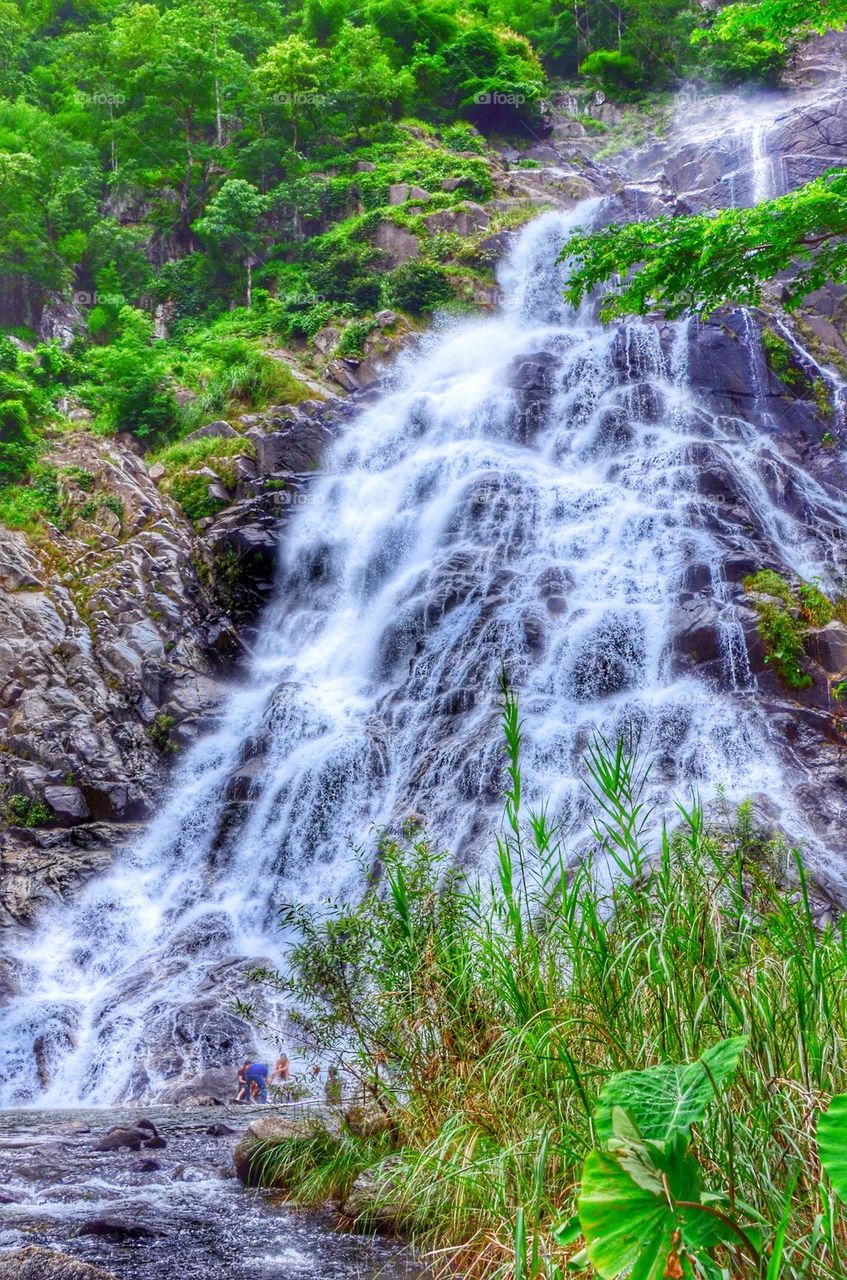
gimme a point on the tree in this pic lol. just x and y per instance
(701, 261)
(230, 223)
(367, 87)
(290, 75)
(704, 260)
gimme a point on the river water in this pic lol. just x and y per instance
(188, 1219)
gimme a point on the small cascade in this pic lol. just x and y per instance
(533, 490)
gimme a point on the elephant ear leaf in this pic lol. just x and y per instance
(832, 1144)
(666, 1100)
(639, 1211)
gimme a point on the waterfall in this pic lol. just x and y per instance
(528, 491)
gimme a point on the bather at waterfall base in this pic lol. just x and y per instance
(530, 492)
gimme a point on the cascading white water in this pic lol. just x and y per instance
(527, 494)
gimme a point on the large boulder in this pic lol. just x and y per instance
(215, 1087)
(375, 1201)
(36, 1263)
(397, 244)
(275, 1130)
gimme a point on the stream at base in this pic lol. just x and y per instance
(188, 1218)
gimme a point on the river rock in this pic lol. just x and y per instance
(375, 1201)
(112, 1228)
(118, 1139)
(36, 1263)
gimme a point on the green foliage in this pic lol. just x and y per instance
(832, 1144)
(27, 505)
(781, 359)
(783, 626)
(667, 1100)
(783, 638)
(521, 1035)
(353, 338)
(127, 381)
(184, 462)
(418, 287)
(770, 583)
(752, 40)
(641, 1205)
(161, 733)
(613, 71)
(702, 261)
(18, 810)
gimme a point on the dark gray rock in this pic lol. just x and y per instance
(219, 430)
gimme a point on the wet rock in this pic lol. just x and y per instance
(39, 867)
(145, 1165)
(219, 430)
(828, 646)
(463, 221)
(273, 1130)
(375, 1201)
(109, 1228)
(68, 805)
(220, 1131)
(218, 1085)
(36, 1263)
(117, 1139)
(88, 658)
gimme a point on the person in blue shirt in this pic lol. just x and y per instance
(257, 1073)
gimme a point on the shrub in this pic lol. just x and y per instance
(19, 441)
(418, 287)
(352, 340)
(781, 359)
(614, 72)
(21, 811)
(182, 462)
(25, 506)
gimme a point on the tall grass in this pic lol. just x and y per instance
(484, 1016)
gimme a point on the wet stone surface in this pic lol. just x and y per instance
(181, 1215)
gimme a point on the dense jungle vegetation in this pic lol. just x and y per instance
(203, 180)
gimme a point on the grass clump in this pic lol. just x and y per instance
(781, 359)
(187, 463)
(784, 620)
(18, 810)
(487, 1018)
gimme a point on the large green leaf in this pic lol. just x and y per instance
(668, 1099)
(634, 1223)
(832, 1144)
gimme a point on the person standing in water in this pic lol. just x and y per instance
(257, 1073)
(332, 1088)
(243, 1094)
(282, 1075)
